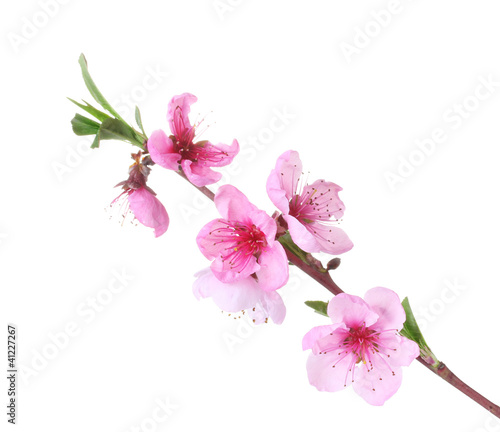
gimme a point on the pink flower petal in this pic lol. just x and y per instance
(289, 170)
(379, 384)
(325, 196)
(232, 204)
(276, 192)
(218, 155)
(301, 236)
(399, 350)
(331, 239)
(324, 376)
(232, 297)
(210, 246)
(198, 174)
(148, 210)
(334, 341)
(264, 223)
(200, 288)
(273, 272)
(310, 338)
(161, 149)
(387, 305)
(351, 310)
(269, 306)
(178, 112)
(227, 273)
(406, 353)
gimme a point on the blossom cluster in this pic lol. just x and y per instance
(363, 346)
(249, 263)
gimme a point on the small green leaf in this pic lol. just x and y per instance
(119, 130)
(411, 331)
(84, 126)
(96, 142)
(94, 91)
(109, 129)
(138, 119)
(99, 115)
(410, 327)
(320, 307)
(288, 243)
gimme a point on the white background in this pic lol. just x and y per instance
(353, 118)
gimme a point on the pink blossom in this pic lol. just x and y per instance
(140, 200)
(242, 243)
(308, 209)
(362, 347)
(244, 295)
(182, 150)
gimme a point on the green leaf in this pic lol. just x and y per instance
(94, 91)
(412, 331)
(119, 130)
(96, 142)
(288, 243)
(99, 115)
(138, 119)
(109, 129)
(84, 126)
(320, 307)
(410, 327)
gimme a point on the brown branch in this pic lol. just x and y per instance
(443, 372)
(323, 278)
(204, 190)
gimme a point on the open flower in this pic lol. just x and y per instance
(243, 295)
(140, 200)
(362, 347)
(180, 148)
(308, 209)
(242, 243)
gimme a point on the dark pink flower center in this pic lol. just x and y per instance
(241, 242)
(310, 206)
(201, 151)
(363, 344)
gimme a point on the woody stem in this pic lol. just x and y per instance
(204, 190)
(442, 371)
(323, 278)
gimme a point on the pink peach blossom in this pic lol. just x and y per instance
(242, 243)
(182, 150)
(242, 295)
(308, 209)
(140, 200)
(362, 347)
